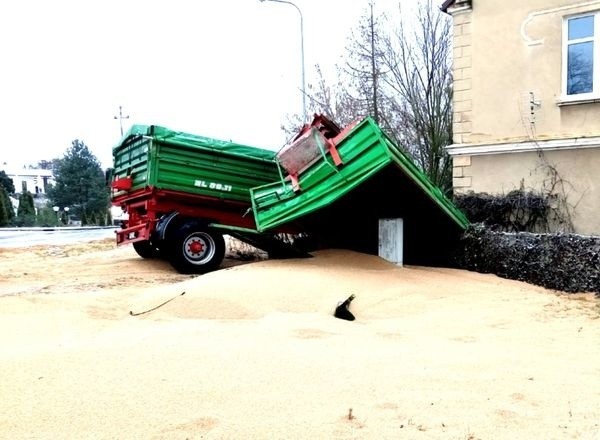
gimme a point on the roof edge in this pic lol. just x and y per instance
(446, 5)
(452, 6)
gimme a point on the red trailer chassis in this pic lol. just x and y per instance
(187, 229)
(147, 206)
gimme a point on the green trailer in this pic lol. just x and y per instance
(339, 184)
(177, 187)
(182, 192)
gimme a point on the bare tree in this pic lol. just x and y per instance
(402, 78)
(363, 68)
(332, 100)
(420, 77)
(358, 89)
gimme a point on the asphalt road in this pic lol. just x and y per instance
(23, 237)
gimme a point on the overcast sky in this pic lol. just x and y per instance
(228, 69)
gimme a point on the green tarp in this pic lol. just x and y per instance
(185, 139)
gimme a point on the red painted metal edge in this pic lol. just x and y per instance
(295, 182)
(140, 232)
(122, 184)
(337, 160)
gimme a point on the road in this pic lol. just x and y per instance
(23, 237)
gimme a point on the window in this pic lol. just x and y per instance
(581, 51)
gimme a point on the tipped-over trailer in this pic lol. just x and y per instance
(182, 192)
(179, 189)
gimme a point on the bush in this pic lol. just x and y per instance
(26, 210)
(517, 211)
(3, 212)
(46, 217)
(7, 213)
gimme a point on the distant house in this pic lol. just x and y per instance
(527, 100)
(34, 180)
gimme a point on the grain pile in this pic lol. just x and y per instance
(253, 351)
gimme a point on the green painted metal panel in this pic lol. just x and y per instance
(165, 159)
(365, 150)
(131, 159)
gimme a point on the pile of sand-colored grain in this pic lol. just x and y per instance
(253, 351)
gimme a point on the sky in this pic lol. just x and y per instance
(227, 69)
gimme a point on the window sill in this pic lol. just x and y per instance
(573, 100)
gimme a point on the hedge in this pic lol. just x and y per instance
(559, 261)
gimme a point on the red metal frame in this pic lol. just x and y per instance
(331, 133)
(123, 183)
(146, 206)
(328, 128)
(337, 160)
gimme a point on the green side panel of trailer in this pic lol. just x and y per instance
(365, 151)
(161, 158)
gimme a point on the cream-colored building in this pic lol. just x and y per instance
(527, 100)
(34, 180)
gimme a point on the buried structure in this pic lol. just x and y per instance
(355, 189)
(350, 188)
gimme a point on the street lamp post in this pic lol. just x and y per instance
(303, 87)
(57, 210)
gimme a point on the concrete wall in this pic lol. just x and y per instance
(508, 91)
(463, 74)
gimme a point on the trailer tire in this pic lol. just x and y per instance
(146, 249)
(195, 248)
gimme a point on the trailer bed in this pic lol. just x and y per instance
(323, 170)
(163, 159)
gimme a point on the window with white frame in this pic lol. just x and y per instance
(581, 51)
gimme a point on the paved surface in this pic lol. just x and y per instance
(22, 237)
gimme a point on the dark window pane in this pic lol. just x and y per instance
(580, 68)
(581, 27)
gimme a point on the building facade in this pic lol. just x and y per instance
(527, 101)
(35, 180)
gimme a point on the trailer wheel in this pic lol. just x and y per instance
(146, 249)
(195, 248)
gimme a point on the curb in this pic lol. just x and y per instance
(58, 228)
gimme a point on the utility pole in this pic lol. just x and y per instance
(374, 70)
(120, 118)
